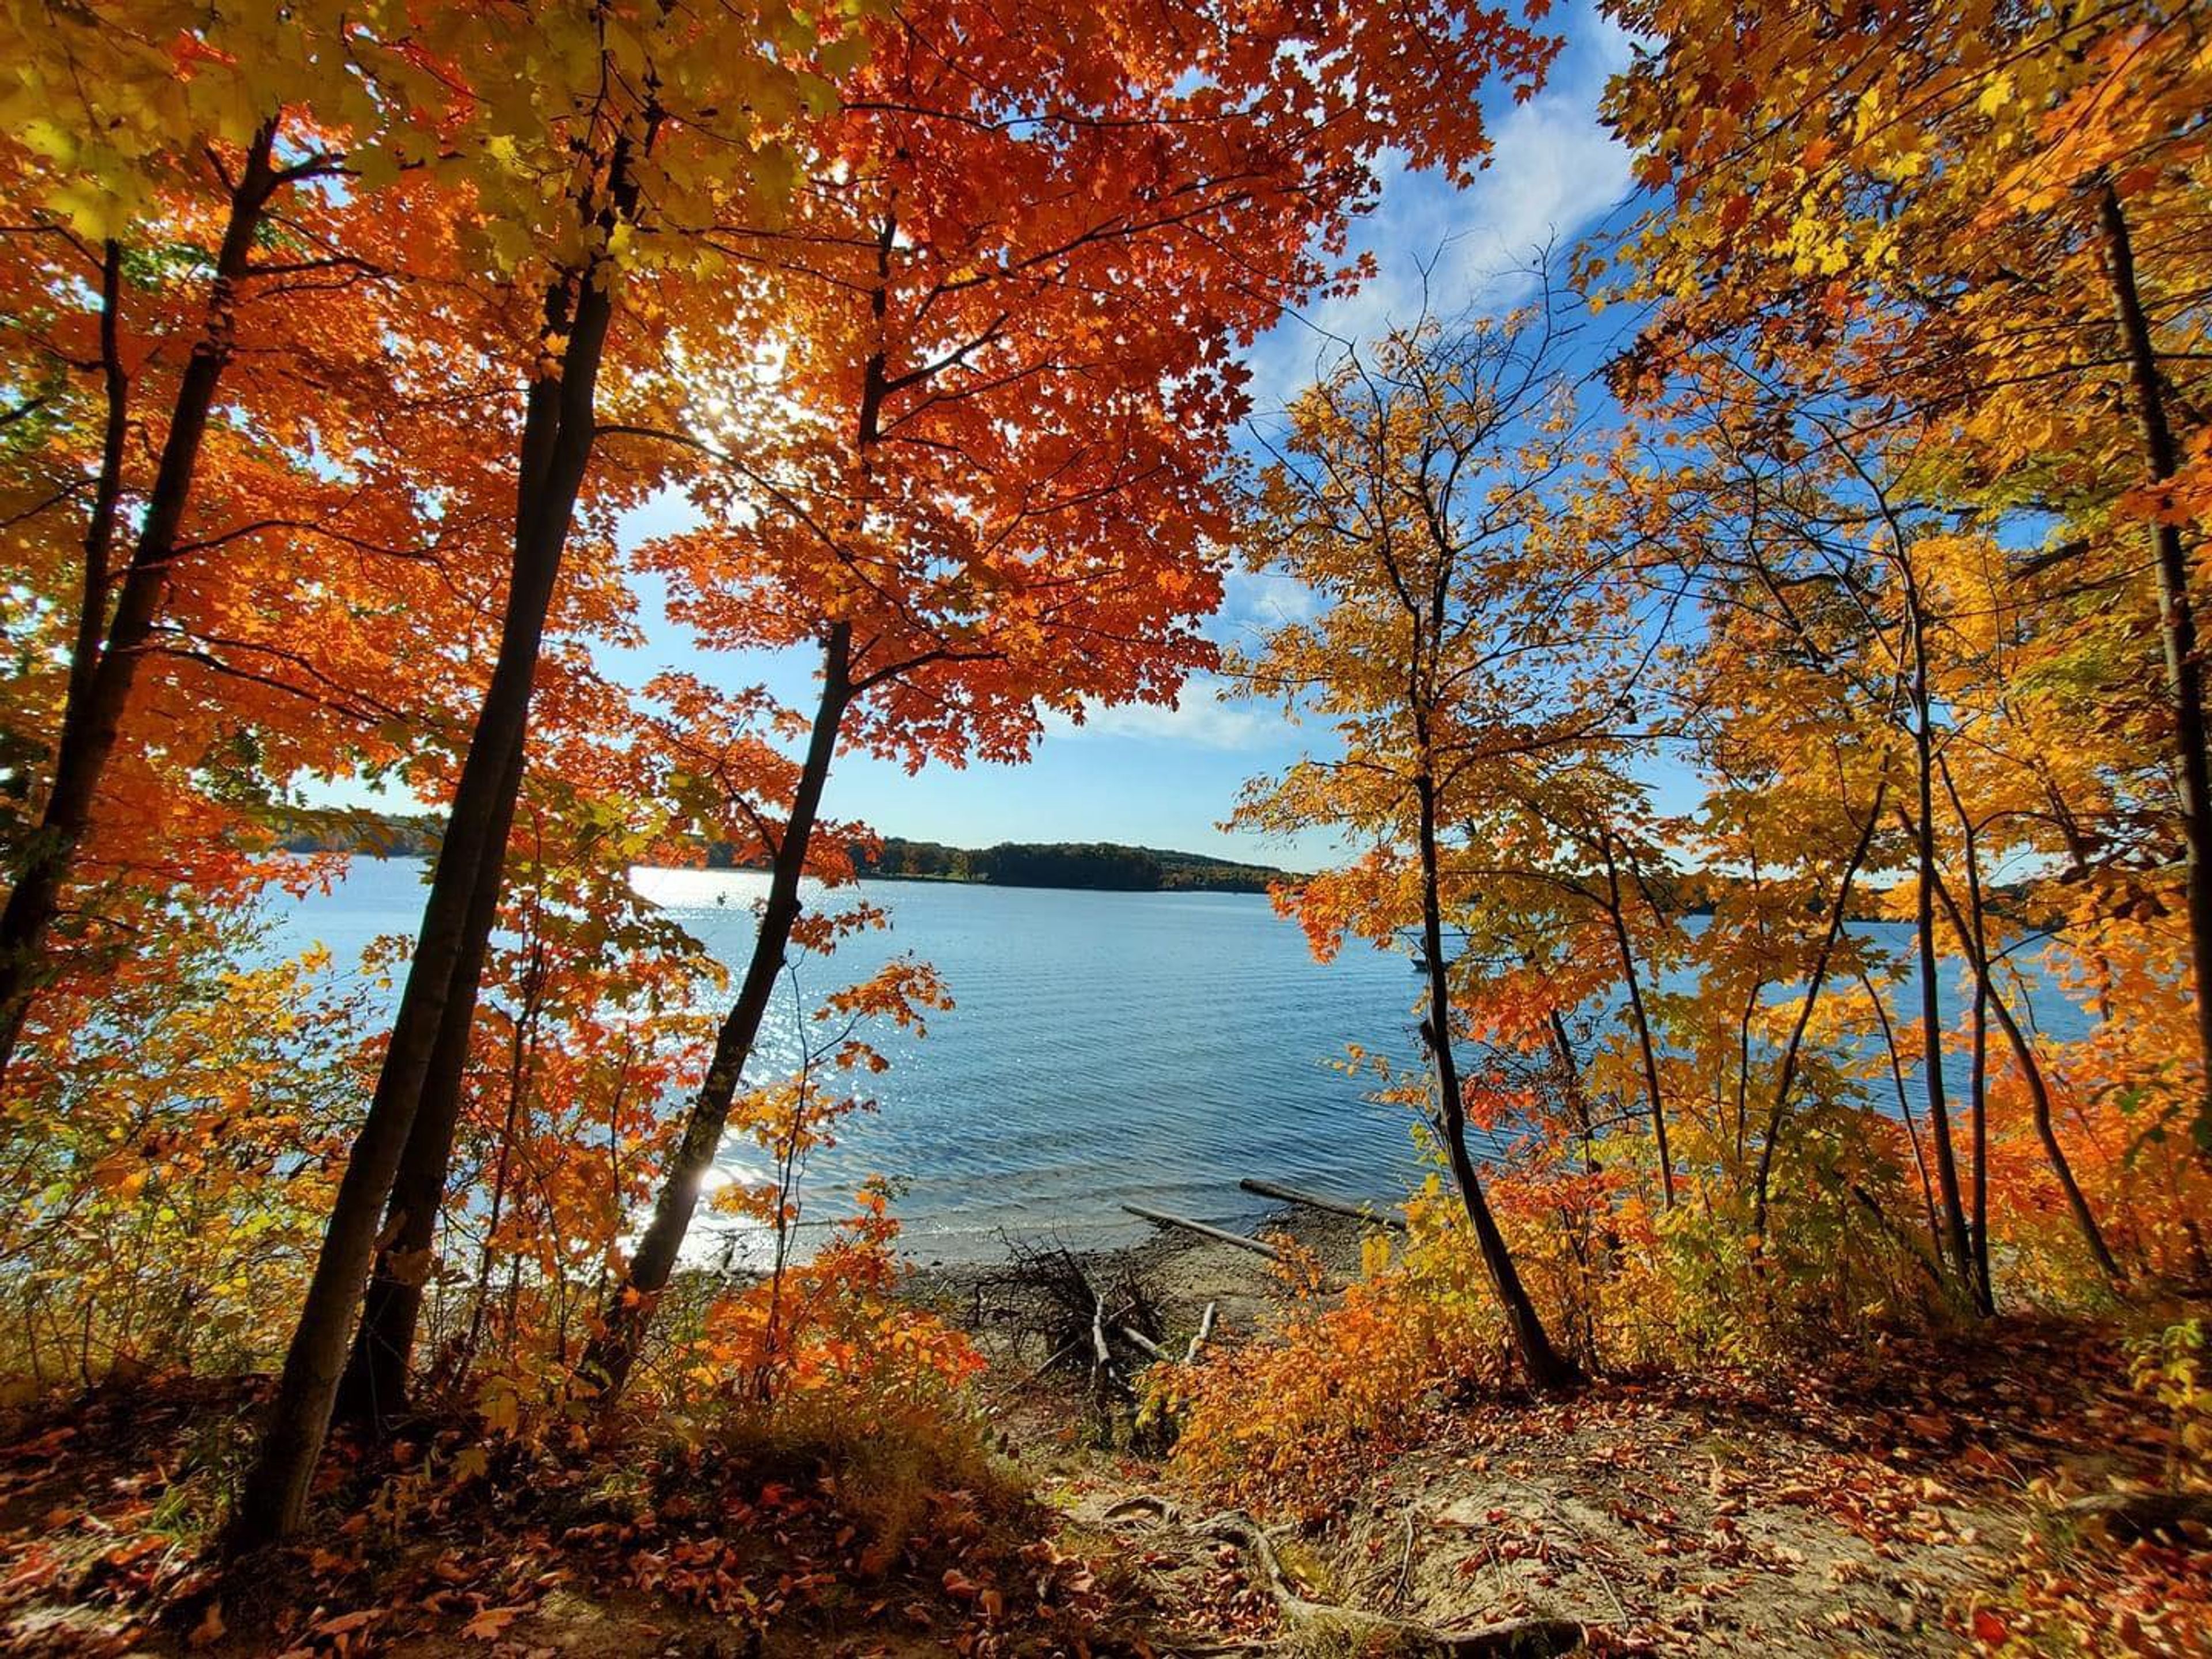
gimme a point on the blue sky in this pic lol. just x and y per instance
(1166, 776)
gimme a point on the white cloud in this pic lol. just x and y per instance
(1206, 716)
(1553, 170)
(1253, 602)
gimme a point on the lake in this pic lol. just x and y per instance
(1106, 1047)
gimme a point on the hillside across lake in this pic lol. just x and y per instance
(1097, 867)
(1101, 865)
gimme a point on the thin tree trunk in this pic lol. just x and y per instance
(518, 1065)
(1577, 1101)
(1751, 1003)
(1547, 1366)
(1905, 1110)
(611, 1355)
(372, 1394)
(1977, 1137)
(1582, 1227)
(1750, 1007)
(1975, 936)
(558, 431)
(93, 715)
(2038, 1094)
(613, 1352)
(1960, 1246)
(108, 490)
(1613, 911)
(2185, 681)
(786, 1225)
(1788, 1074)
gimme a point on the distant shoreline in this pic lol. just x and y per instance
(1075, 866)
(1101, 866)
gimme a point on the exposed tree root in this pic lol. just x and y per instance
(1322, 1630)
(2128, 1515)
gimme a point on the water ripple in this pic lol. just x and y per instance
(1106, 1047)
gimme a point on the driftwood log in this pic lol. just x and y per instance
(1139, 1341)
(1205, 1330)
(1101, 1368)
(1205, 1230)
(1283, 1194)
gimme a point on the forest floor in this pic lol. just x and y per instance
(1910, 1504)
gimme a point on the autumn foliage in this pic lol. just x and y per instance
(1882, 519)
(344, 347)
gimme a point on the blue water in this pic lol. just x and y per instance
(1106, 1047)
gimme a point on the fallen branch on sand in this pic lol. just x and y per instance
(1205, 1230)
(1139, 1341)
(1205, 1330)
(1304, 1199)
(1105, 1329)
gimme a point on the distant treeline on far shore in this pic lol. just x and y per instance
(1099, 866)
(1104, 866)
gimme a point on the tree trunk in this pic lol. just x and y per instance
(557, 446)
(480, 1299)
(1977, 1138)
(1547, 1366)
(613, 1352)
(1975, 936)
(1959, 1246)
(373, 1392)
(609, 1360)
(2038, 1094)
(1788, 1074)
(100, 695)
(1642, 1025)
(108, 490)
(2185, 681)
(1905, 1111)
(1571, 1083)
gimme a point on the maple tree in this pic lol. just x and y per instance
(1946, 210)
(593, 182)
(981, 459)
(341, 346)
(149, 184)
(1412, 494)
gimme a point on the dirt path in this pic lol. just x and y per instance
(1899, 1507)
